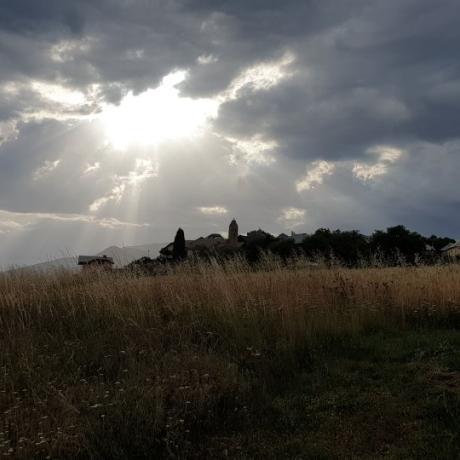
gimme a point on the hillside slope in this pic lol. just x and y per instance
(121, 257)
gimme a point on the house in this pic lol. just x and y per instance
(214, 243)
(95, 262)
(211, 244)
(452, 250)
(298, 237)
(207, 243)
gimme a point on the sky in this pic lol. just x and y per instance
(121, 120)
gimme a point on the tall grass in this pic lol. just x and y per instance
(113, 365)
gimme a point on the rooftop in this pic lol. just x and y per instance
(85, 260)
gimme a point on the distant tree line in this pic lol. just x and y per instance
(393, 246)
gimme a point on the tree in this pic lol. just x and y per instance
(256, 243)
(438, 242)
(396, 242)
(284, 248)
(349, 247)
(233, 232)
(179, 249)
(318, 244)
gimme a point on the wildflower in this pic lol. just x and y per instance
(95, 406)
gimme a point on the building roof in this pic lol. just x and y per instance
(298, 237)
(213, 240)
(214, 236)
(451, 246)
(85, 260)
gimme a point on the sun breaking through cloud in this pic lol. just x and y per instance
(175, 114)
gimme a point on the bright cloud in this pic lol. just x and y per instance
(48, 101)
(254, 150)
(292, 216)
(59, 94)
(8, 131)
(385, 156)
(47, 168)
(262, 76)
(207, 59)
(144, 169)
(92, 167)
(213, 210)
(14, 221)
(315, 176)
(66, 50)
(7, 226)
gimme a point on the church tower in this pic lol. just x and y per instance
(233, 232)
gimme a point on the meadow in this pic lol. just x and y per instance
(224, 360)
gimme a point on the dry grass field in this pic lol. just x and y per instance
(224, 361)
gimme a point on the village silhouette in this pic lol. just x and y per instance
(394, 246)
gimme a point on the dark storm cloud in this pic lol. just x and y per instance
(366, 73)
(120, 45)
(241, 33)
(25, 16)
(386, 72)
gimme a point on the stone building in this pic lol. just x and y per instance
(452, 251)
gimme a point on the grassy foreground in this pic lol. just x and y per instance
(218, 361)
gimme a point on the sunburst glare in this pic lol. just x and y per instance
(157, 115)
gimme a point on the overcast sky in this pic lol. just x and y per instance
(121, 120)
